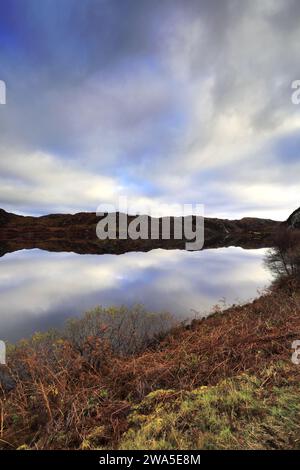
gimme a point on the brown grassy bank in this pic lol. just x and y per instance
(91, 397)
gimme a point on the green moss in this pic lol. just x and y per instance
(93, 439)
(23, 447)
(239, 413)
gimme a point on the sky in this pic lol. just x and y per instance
(160, 101)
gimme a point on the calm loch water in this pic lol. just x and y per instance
(40, 290)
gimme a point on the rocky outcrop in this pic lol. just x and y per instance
(77, 233)
(294, 220)
(5, 217)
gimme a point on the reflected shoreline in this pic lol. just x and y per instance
(123, 246)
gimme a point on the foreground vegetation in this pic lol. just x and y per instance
(223, 382)
(245, 412)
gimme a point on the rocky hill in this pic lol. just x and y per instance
(294, 219)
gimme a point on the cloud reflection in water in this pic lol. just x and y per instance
(41, 290)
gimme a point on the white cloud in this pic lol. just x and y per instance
(43, 180)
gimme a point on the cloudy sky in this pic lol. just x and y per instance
(162, 101)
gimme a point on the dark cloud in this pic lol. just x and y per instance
(152, 96)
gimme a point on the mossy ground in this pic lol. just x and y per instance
(238, 413)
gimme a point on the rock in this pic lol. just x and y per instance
(294, 219)
(4, 216)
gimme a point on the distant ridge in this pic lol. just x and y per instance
(77, 233)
